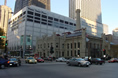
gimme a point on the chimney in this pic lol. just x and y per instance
(78, 20)
(5, 2)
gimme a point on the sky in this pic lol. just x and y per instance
(109, 10)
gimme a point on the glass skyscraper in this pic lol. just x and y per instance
(20, 4)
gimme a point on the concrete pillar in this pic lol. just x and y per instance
(78, 20)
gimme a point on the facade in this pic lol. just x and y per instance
(20, 4)
(5, 15)
(115, 32)
(32, 22)
(90, 13)
(77, 44)
(105, 29)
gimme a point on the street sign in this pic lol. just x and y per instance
(2, 36)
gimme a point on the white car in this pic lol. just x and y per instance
(61, 59)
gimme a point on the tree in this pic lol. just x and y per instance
(1, 39)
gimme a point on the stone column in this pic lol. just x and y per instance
(78, 20)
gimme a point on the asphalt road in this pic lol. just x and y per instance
(60, 70)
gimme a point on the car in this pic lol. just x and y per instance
(48, 58)
(78, 61)
(97, 61)
(3, 63)
(30, 60)
(40, 59)
(113, 60)
(61, 59)
(14, 62)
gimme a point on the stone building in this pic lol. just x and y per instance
(77, 44)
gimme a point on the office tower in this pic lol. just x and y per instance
(20, 4)
(90, 9)
(105, 29)
(90, 14)
(115, 32)
(5, 15)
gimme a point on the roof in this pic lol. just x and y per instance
(74, 34)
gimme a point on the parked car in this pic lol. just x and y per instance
(3, 63)
(97, 61)
(48, 58)
(30, 60)
(40, 59)
(113, 60)
(78, 61)
(61, 59)
(14, 62)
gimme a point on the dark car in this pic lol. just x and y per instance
(14, 62)
(40, 60)
(48, 58)
(97, 61)
(3, 63)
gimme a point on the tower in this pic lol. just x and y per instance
(20, 4)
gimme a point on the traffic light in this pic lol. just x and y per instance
(51, 50)
(6, 43)
(104, 51)
(6, 46)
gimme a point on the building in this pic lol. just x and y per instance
(89, 9)
(90, 13)
(115, 32)
(5, 15)
(20, 4)
(105, 29)
(76, 44)
(32, 22)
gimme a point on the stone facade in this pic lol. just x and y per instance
(77, 44)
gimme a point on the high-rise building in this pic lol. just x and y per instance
(105, 29)
(115, 32)
(5, 15)
(90, 14)
(20, 4)
(90, 9)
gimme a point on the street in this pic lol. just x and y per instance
(60, 70)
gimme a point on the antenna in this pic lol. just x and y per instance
(5, 2)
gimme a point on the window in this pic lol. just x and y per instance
(55, 19)
(71, 45)
(68, 46)
(63, 54)
(37, 14)
(75, 45)
(44, 16)
(30, 20)
(56, 45)
(67, 53)
(50, 18)
(62, 45)
(78, 44)
(75, 52)
(71, 53)
(29, 12)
